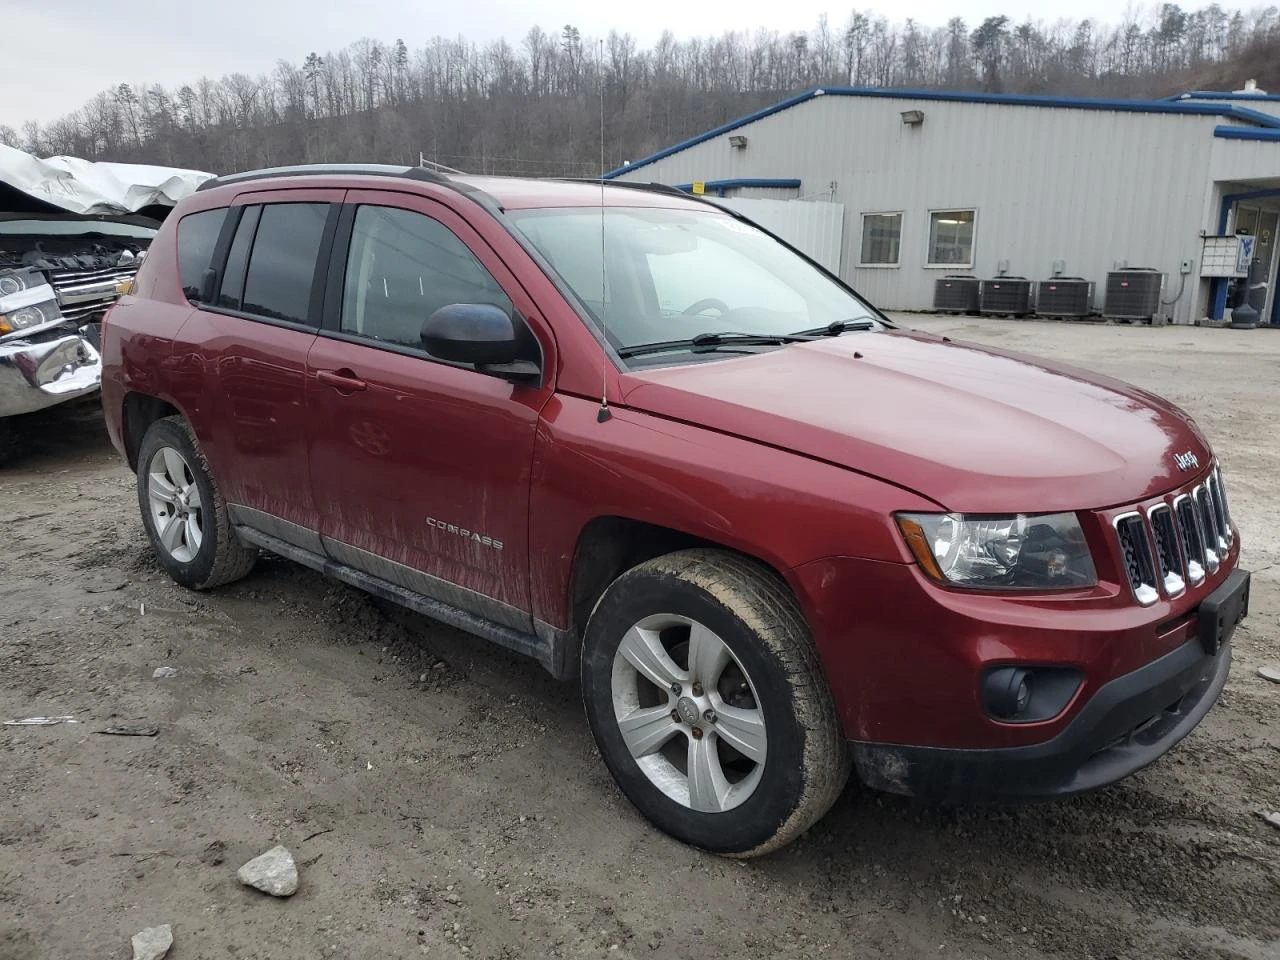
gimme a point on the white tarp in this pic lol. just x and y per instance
(81, 186)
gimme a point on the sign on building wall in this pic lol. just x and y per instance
(1227, 256)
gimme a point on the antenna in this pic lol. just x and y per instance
(603, 414)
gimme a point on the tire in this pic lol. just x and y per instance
(770, 700)
(200, 551)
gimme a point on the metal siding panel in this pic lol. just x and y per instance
(813, 227)
(1086, 186)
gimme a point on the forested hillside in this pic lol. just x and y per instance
(534, 106)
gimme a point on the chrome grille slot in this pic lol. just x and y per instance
(1219, 501)
(1164, 531)
(1192, 541)
(1208, 526)
(1139, 566)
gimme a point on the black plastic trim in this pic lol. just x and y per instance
(551, 648)
(336, 274)
(320, 273)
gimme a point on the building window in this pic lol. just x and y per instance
(951, 238)
(881, 239)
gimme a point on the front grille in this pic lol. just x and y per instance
(84, 293)
(1168, 551)
(1177, 542)
(1139, 566)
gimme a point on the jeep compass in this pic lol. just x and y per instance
(635, 437)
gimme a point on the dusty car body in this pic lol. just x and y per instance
(72, 236)
(771, 543)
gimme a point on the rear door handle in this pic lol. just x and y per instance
(344, 381)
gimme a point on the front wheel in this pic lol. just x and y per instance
(704, 693)
(183, 512)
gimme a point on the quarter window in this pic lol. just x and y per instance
(881, 239)
(951, 238)
(197, 238)
(283, 263)
(402, 267)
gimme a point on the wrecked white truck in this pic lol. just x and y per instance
(72, 235)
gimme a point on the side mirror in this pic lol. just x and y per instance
(480, 334)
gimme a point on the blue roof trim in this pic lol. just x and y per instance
(1183, 107)
(1228, 132)
(720, 186)
(1210, 95)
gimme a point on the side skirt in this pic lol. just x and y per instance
(553, 648)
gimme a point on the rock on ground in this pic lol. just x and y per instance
(274, 872)
(152, 943)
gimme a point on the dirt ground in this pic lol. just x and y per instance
(443, 798)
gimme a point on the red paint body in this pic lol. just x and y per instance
(799, 457)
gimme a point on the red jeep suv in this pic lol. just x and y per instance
(635, 437)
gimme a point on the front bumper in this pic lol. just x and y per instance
(1127, 724)
(48, 368)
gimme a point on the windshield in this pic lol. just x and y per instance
(670, 275)
(75, 228)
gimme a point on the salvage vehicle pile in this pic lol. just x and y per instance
(72, 236)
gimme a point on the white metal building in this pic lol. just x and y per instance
(928, 183)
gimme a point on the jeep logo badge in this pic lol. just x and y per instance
(1186, 461)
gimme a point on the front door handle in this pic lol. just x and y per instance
(344, 380)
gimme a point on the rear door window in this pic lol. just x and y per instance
(197, 238)
(282, 265)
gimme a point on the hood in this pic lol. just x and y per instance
(975, 430)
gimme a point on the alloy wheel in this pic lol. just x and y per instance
(688, 713)
(176, 508)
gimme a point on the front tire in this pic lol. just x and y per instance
(183, 512)
(706, 699)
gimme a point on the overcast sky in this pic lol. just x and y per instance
(62, 52)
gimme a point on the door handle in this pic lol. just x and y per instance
(344, 380)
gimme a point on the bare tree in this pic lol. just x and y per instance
(533, 108)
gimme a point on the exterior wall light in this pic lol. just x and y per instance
(738, 142)
(912, 117)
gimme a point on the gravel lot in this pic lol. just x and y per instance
(443, 798)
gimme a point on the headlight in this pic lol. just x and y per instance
(11, 283)
(26, 301)
(1019, 551)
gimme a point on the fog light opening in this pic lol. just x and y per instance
(1008, 692)
(1015, 694)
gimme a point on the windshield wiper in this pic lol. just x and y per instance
(837, 327)
(710, 341)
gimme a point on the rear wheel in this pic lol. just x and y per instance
(184, 515)
(705, 696)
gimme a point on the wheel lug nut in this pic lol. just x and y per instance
(697, 689)
(709, 716)
(697, 733)
(675, 716)
(675, 688)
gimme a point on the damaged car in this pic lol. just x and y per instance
(72, 236)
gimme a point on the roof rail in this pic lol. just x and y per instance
(327, 169)
(629, 184)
